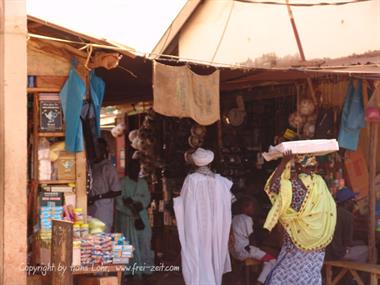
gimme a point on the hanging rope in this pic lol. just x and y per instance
(303, 4)
(224, 31)
(178, 59)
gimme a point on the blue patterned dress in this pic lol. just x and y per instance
(295, 266)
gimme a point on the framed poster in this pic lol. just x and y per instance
(51, 119)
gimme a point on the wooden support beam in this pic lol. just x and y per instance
(329, 275)
(339, 276)
(81, 177)
(364, 267)
(356, 277)
(220, 137)
(373, 141)
(374, 279)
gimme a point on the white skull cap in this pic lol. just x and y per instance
(202, 157)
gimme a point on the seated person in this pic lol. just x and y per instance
(342, 245)
(242, 228)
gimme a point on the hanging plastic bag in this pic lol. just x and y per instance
(72, 95)
(372, 113)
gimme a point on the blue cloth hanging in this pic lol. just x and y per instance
(97, 87)
(72, 95)
(352, 117)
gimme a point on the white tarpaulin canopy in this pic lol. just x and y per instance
(261, 35)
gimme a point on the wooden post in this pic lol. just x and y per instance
(374, 279)
(300, 49)
(372, 254)
(329, 275)
(62, 253)
(220, 138)
(80, 183)
(13, 142)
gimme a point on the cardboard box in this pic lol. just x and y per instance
(89, 280)
(70, 199)
(357, 172)
(66, 166)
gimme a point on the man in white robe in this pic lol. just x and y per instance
(203, 214)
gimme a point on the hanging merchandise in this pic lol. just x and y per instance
(118, 130)
(97, 87)
(179, 92)
(306, 107)
(144, 142)
(196, 138)
(90, 116)
(357, 172)
(296, 120)
(72, 95)
(372, 113)
(302, 121)
(352, 117)
(236, 116)
(89, 129)
(326, 125)
(308, 130)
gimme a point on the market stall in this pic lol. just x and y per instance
(59, 97)
(257, 108)
(245, 111)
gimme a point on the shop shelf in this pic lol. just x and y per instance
(56, 181)
(42, 90)
(52, 134)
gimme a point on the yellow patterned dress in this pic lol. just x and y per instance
(307, 212)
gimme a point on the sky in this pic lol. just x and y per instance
(250, 32)
(135, 23)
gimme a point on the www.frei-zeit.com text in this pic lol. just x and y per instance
(132, 268)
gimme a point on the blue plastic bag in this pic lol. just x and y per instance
(352, 117)
(72, 95)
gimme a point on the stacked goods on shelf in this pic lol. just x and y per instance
(44, 163)
(63, 162)
(65, 166)
(86, 248)
(51, 208)
(47, 214)
(104, 249)
(122, 251)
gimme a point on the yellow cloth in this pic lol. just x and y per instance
(55, 149)
(312, 227)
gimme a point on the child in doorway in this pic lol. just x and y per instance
(242, 227)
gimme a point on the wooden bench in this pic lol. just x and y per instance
(246, 266)
(353, 268)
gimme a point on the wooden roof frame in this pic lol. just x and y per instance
(38, 22)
